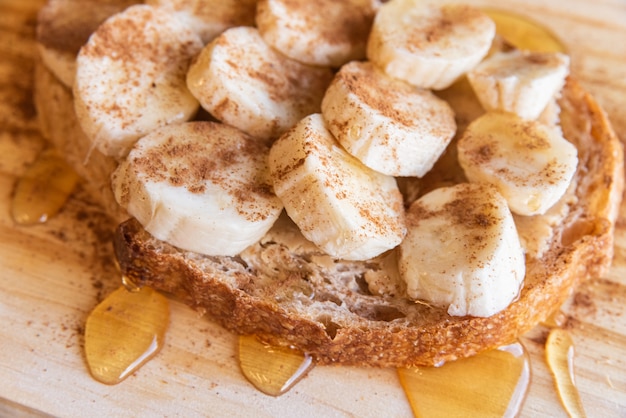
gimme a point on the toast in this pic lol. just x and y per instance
(286, 291)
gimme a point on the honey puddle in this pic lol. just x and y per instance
(43, 189)
(491, 384)
(125, 331)
(560, 358)
(272, 370)
(523, 33)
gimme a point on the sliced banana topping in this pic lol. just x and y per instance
(201, 186)
(347, 209)
(389, 125)
(462, 251)
(519, 82)
(342, 128)
(322, 32)
(209, 18)
(428, 44)
(63, 26)
(130, 77)
(530, 163)
(243, 82)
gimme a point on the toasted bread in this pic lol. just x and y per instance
(286, 291)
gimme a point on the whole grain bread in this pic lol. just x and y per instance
(286, 291)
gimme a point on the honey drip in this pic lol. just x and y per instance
(272, 370)
(523, 33)
(129, 284)
(125, 331)
(491, 384)
(555, 320)
(560, 358)
(43, 189)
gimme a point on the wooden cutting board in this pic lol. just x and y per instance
(52, 275)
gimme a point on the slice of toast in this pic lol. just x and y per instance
(287, 291)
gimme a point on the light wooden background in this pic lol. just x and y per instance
(52, 275)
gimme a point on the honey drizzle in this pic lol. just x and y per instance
(556, 320)
(491, 384)
(125, 331)
(272, 370)
(523, 33)
(129, 284)
(560, 359)
(43, 189)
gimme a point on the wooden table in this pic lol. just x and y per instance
(52, 275)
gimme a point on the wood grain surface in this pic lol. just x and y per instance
(52, 275)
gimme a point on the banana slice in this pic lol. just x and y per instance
(201, 186)
(427, 44)
(530, 163)
(389, 125)
(348, 210)
(462, 251)
(322, 32)
(63, 26)
(130, 78)
(243, 82)
(519, 82)
(209, 18)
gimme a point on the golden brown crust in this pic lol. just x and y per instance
(327, 312)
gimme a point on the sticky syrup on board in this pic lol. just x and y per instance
(43, 189)
(523, 33)
(560, 359)
(272, 370)
(125, 331)
(491, 384)
(128, 327)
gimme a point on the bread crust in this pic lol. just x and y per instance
(286, 292)
(59, 125)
